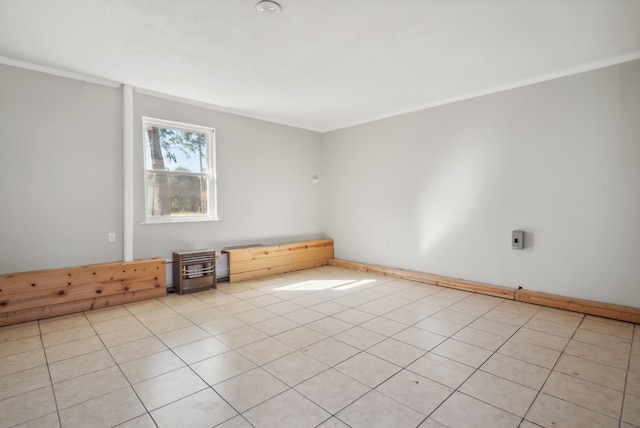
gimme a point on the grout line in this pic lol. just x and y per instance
(120, 369)
(626, 376)
(46, 361)
(457, 389)
(551, 370)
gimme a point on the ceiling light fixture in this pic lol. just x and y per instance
(267, 7)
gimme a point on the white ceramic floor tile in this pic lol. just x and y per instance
(414, 391)
(164, 389)
(250, 389)
(376, 410)
(56, 324)
(501, 393)
(23, 361)
(289, 409)
(548, 411)
(332, 390)
(266, 350)
(329, 326)
(396, 352)
(331, 351)
(419, 338)
(183, 336)
(80, 365)
(28, 406)
(200, 350)
(586, 394)
(73, 349)
(515, 370)
(222, 367)
(300, 337)
(384, 326)
(89, 386)
(237, 422)
(530, 353)
(598, 354)
(442, 370)
(104, 411)
(150, 366)
(202, 409)
(461, 352)
(20, 382)
(333, 423)
(47, 421)
(359, 337)
(295, 368)
(439, 326)
(460, 410)
(143, 421)
(592, 371)
(367, 369)
(137, 349)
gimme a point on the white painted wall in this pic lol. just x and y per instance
(264, 182)
(60, 171)
(61, 180)
(440, 190)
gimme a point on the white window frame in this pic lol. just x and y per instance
(212, 205)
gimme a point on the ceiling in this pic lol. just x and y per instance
(321, 64)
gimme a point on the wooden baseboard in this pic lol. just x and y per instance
(28, 296)
(589, 307)
(475, 287)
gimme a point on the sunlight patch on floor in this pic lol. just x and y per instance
(326, 284)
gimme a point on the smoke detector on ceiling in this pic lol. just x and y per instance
(267, 7)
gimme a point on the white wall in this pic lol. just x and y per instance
(264, 182)
(60, 171)
(441, 190)
(61, 179)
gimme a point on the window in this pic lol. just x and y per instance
(179, 171)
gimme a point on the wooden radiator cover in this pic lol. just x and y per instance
(28, 296)
(257, 262)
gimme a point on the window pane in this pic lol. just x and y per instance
(169, 149)
(176, 194)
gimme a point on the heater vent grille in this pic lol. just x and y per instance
(194, 270)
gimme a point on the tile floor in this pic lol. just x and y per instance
(324, 347)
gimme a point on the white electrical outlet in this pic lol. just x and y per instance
(112, 237)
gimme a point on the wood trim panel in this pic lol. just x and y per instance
(590, 307)
(42, 312)
(28, 296)
(460, 284)
(258, 262)
(258, 252)
(25, 282)
(277, 270)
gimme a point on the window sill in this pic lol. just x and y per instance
(195, 220)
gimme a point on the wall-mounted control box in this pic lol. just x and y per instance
(517, 239)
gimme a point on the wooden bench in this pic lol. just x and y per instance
(28, 296)
(260, 261)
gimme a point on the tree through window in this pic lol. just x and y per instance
(179, 171)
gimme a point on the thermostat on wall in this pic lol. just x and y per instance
(517, 239)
